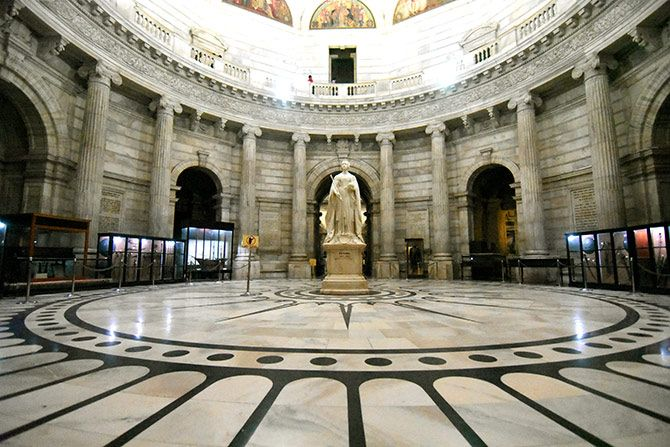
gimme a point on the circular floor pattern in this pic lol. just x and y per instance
(406, 325)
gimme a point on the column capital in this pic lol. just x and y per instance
(99, 71)
(301, 137)
(524, 100)
(385, 138)
(436, 130)
(249, 131)
(594, 64)
(220, 126)
(166, 105)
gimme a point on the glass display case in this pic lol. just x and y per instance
(140, 259)
(621, 258)
(43, 243)
(209, 249)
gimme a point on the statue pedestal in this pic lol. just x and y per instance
(344, 263)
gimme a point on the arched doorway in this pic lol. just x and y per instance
(196, 202)
(14, 148)
(493, 208)
(660, 140)
(320, 223)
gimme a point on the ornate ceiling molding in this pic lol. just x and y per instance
(105, 36)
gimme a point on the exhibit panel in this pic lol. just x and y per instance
(139, 259)
(209, 250)
(633, 258)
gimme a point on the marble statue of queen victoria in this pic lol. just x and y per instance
(344, 217)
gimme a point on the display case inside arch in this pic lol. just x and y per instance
(209, 249)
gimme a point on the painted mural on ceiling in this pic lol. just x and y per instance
(406, 9)
(274, 9)
(341, 14)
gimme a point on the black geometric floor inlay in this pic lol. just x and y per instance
(322, 370)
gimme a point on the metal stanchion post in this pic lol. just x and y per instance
(121, 264)
(74, 268)
(632, 276)
(153, 277)
(519, 271)
(584, 259)
(220, 272)
(502, 270)
(190, 276)
(248, 274)
(559, 272)
(30, 275)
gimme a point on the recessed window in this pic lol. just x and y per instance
(343, 65)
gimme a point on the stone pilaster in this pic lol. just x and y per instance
(160, 223)
(298, 267)
(88, 182)
(533, 242)
(388, 265)
(442, 265)
(607, 183)
(248, 209)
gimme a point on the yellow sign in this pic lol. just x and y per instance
(312, 262)
(249, 241)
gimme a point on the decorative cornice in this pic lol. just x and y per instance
(99, 31)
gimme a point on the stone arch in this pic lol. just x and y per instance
(42, 114)
(359, 167)
(466, 180)
(647, 106)
(208, 168)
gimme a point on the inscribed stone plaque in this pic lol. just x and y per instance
(111, 205)
(584, 208)
(269, 227)
(417, 226)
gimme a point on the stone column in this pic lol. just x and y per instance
(387, 267)
(248, 211)
(298, 267)
(610, 209)
(160, 223)
(533, 241)
(442, 266)
(88, 182)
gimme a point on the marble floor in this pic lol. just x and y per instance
(417, 363)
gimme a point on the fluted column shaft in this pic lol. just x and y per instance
(533, 238)
(159, 191)
(387, 196)
(299, 223)
(440, 220)
(248, 183)
(608, 188)
(93, 139)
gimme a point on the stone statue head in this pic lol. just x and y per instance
(344, 164)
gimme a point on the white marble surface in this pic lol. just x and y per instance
(419, 363)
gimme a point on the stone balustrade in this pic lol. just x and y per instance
(537, 21)
(479, 87)
(153, 27)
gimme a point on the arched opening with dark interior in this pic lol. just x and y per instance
(493, 208)
(14, 148)
(196, 200)
(320, 223)
(661, 145)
